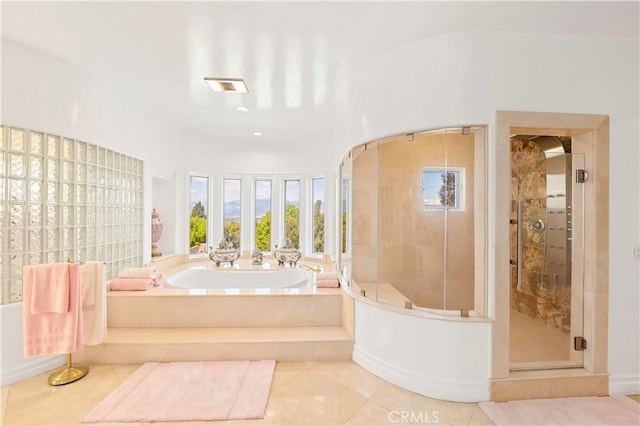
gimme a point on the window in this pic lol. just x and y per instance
(344, 209)
(231, 211)
(198, 202)
(263, 214)
(63, 198)
(441, 188)
(292, 212)
(318, 215)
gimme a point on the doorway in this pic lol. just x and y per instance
(546, 252)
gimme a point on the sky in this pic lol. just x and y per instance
(231, 189)
(263, 189)
(318, 192)
(199, 190)
(431, 183)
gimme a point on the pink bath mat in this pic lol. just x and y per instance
(189, 391)
(591, 410)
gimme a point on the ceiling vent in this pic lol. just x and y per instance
(227, 84)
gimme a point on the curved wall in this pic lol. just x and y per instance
(461, 79)
(439, 358)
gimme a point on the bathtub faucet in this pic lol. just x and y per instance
(311, 268)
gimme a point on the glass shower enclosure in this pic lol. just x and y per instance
(546, 319)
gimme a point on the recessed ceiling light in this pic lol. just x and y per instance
(227, 84)
(242, 108)
(257, 133)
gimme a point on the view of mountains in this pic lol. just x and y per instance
(263, 205)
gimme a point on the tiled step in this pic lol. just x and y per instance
(146, 311)
(139, 345)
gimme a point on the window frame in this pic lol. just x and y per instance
(311, 251)
(254, 191)
(459, 172)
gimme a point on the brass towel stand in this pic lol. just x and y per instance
(69, 373)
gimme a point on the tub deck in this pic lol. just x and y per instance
(167, 324)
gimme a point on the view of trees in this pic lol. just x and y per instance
(318, 227)
(232, 232)
(292, 224)
(447, 192)
(344, 232)
(263, 241)
(263, 232)
(197, 225)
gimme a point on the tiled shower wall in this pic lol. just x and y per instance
(63, 199)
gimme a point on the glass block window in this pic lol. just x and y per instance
(62, 199)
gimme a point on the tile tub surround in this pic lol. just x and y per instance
(397, 240)
(175, 324)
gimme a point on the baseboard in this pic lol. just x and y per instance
(624, 384)
(30, 368)
(448, 390)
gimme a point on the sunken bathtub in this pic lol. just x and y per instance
(238, 279)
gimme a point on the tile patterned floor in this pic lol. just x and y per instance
(302, 393)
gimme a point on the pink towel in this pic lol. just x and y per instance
(94, 302)
(159, 279)
(327, 283)
(146, 272)
(51, 332)
(49, 285)
(131, 284)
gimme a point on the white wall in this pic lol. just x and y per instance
(442, 359)
(462, 78)
(40, 92)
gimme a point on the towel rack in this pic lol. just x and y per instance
(69, 373)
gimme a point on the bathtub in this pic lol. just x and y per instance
(208, 277)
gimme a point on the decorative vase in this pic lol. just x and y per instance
(224, 255)
(156, 233)
(287, 255)
(256, 256)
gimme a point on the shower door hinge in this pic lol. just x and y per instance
(582, 175)
(579, 343)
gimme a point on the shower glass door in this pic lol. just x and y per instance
(546, 256)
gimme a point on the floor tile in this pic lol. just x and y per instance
(479, 417)
(394, 398)
(35, 402)
(302, 393)
(351, 375)
(312, 398)
(284, 371)
(3, 403)
(372, 414)
(123, 371)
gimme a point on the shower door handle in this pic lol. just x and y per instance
(520, 243)
(519, 236)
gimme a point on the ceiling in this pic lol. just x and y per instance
(296, 57)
